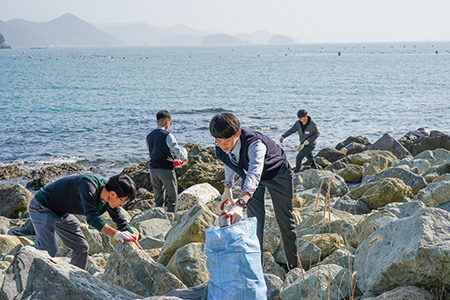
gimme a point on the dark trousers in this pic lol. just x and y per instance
(281, 190)
(164, 182)
(306, 152)
(46, 222)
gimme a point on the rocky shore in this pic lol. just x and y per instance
(373, 223)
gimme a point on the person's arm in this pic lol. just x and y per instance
(256, 152)
(180, 152)
(291, 130)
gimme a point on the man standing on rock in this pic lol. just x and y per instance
(308, 133)
(53, 208)
(161, 146)
(261, 164)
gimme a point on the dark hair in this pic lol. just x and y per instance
(163, 114)
(224, 126)
(301, 113)
(123, 185)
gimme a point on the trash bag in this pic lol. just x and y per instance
(234, 262)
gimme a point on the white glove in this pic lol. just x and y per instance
(227, 195)
(125, 236)
(306, 143)
(236, 214)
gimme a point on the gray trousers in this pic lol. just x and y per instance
(164, 182)
(46, 222)
(282, 191)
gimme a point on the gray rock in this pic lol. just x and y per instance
(9, 244)
(345, 203)
(422, 165)
(351, 173)
(202, 192)
(410, 250)
(153, 213)
(272, 233)
(369, 225)
(341, 257)
(439, 169)
(271, 267)
(435, 157)
(308, 253)
(189, 264)
(98, 242)
(377, 165)
(416, 182)
(134, 270)
(435, 194)
(327, 282)
(311, 178)
(387, 142)
(339, 164)
(330, 154)
(352, 139)
(190, 228)
(273, 284)
(33, 274)
(335, 184)
(404, 210)
(14, 200)
(199, 292)
(153, 227)
(405, 293)
(151, 243)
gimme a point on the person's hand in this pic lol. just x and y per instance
(236, 214)
(185, 160)
(300, 148)
(281, 140)
(227, 195)
(125, 236)
(306, 143)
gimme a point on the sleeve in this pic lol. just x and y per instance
(118, 218)
(315, 133)
(229, 176)
(180, 152)
(256, 152)
(292, 130)
(87, 193)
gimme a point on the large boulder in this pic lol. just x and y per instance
(98, 242)
(416, 182)
(134, 270)
(435, 193)
(369, 225)
(335, 184)
(327, 242)
(352, 139)
(347, 204)
(351, 173)
(153, 227)
(387, 142)
(189, 228)
(434, 141)
(311, 178)
(339, 164)
(377, 165)
(152, 213)
(203, 192)
(410, 250)
(189, 264)
(329, 282)
(140, 175)
(9, 244)
(342, 257)
(14, 200)
(33, 274)
(404, 293)
(272, 233)
(42, 177)
(330, 154)
(380, 193)
(404, 210)
(367, 156)
(435, 157)
(202, 167)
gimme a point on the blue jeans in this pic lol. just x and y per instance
(46, 222)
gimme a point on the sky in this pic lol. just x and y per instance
(309, 21)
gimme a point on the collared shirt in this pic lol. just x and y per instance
(256, 152)
(180, 152)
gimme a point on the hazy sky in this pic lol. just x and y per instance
(312, 20)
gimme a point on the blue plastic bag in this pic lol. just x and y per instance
(234, 262)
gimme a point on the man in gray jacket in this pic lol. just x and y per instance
(308, 133)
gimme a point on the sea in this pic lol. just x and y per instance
(95, 106)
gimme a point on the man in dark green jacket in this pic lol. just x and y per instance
(308, 133)
(52, 209)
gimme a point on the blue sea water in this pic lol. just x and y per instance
(97, 105)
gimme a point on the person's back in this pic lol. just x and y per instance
(162, 146)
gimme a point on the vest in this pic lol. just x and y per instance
(160, 154)
(274, 159)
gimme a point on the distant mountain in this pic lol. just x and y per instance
(221, 39)
(281, 39)
(67, 30)
(257, 37)
(139, 34)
